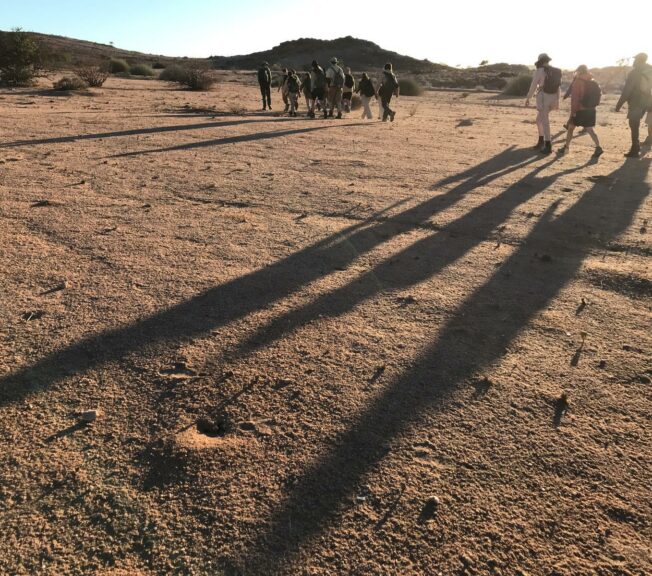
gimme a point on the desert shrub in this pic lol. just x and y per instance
(118, 66)
(94, 76)
(412, 110)
(70, 83)
(174, 73)
(237, 108)
(356, 102)
(199, 79)
(410, 87)
(518, 86)
(141, 70)
(21, 59)
(158, 66)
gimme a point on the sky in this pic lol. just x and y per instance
(451, 32)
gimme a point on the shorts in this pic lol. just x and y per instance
(584, 118)
(318, 93)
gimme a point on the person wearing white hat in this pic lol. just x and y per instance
(546, 85)
(335, 80)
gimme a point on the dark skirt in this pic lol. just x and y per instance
(584, 118)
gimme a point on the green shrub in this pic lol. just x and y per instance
(141, 70)
(174, 73)
(94, 76)
(21, 59)
(518, 86)
(410, 87)
(70, 83)
(118, 66)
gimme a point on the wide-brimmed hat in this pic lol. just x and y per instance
(334, 60)
(542, 59)
(641, 57)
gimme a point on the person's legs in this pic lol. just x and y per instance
(591, 132)
(262, 93)
(366, 113)
(648, 140)
(268, 93)
(635, 129)
(338, 101)
(569, 137)
(293, 104)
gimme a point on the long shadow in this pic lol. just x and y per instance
(138, 131)
(236, 139)
(476, 336)
(433, 253)
(255, 291)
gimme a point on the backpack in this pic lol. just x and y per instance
(592, 94)
(264, 76)
(319, 78)
(293, 83)
(552, 83)
(349, 81)
(338, 79)
(390, 83)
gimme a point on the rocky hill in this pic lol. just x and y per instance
(356, 53)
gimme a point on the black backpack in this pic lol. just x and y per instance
(552, 83)
(592, 94)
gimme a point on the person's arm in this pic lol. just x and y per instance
(577, 93)
(627, 91)
(537, 80)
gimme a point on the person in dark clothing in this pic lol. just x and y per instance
(318, 85)
(283, 89)
(265, 83)
(306, 90)
(367, 91)
(388, 88)
(349, 87)
(637, 93)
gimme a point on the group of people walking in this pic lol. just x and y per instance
(331, 91)
(585, 95)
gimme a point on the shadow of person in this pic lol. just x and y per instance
(475, 336)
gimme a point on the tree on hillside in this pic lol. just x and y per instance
(21, 58)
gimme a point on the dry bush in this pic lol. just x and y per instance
(412, 110)
(69, 83)
(199, 79)
(236, 108)
(174, 73)
(118, 66)
(94, 76)
(518, 86)
(410, 87)
(141, 70)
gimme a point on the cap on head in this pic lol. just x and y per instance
(315, 63)
(333, 60)
(265, 64)
(543, 59)
(582, 69)
(640, 58)
(388, 66)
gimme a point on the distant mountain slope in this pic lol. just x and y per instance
(356, 53)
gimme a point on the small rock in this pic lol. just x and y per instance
(90, 415)
(602, 364)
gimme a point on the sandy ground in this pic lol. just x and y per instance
(319, 347)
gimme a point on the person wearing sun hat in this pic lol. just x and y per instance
(546, 85)
(585, 96)
(637, 93)
(335, 79)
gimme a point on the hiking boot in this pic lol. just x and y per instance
(563, 150)
(547, 148)
(311, 114)
(598, 152)
(539, 144)
(330, 114)
(325, 115)
(392, 116)
(339, 115)
(633, 152)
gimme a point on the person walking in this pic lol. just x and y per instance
(637, 93)
(349, 87)
(283, 89)
(318, 85)
(265, 83)
(306, 90)
(388, 88)
(585, 97)
(546, 85)
(335, 81)
(367, 91)
(294, 89)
